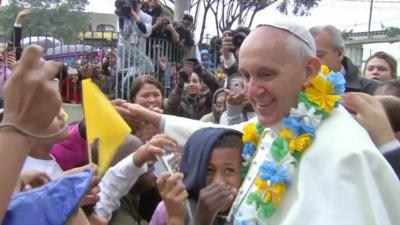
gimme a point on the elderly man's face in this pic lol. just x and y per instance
(273, 75)
(330, 56)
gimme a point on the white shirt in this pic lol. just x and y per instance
(342, 178)
(116, 183)
(49, 166)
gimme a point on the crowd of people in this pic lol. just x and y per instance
(284, 131)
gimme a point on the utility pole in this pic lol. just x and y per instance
(180, 7)
(370, 18)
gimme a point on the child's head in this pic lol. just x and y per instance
(212, 155)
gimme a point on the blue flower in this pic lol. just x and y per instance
(248, 150)
(338, 81)
(298, 127)
(269, 170)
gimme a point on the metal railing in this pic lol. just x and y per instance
(91, 48)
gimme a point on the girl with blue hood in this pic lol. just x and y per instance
(210, 165)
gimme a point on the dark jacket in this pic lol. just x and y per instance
(393, 157)
(180, 103)
(355, 82)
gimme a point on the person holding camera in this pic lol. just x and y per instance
(153, 8)
(135, 24)
(238, 108)
(188, 99)
(135, 28)
(184, 29)
(163, 29)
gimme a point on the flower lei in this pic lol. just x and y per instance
(315, 103)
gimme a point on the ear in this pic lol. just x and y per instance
(313, 66)
(340, 54)
(397, 135)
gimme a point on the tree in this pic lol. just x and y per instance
(227, 13)
(57, 18)
(230, 12)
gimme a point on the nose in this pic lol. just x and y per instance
(253, 88)
(219, 178)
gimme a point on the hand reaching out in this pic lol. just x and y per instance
(148, 151)
(371, 115)
(31, 97)
(174, 195)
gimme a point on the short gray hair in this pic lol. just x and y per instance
(299, 48)
(336, 35)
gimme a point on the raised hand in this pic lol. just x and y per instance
(148, 151)
(371, 115)
(31, 97)
(174, 195)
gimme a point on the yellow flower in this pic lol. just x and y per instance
(286, 133)
(250, 133)
(275, 193)
(300, 143)
(261, 184)
(321, 93)
(325, 70)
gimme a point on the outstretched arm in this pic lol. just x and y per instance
(31, 101)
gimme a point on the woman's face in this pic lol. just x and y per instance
(193, 86)
(224, 168)
(149, 96)
(378, 69)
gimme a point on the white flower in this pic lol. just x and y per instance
(306, 114)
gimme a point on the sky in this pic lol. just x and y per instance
(344, 14)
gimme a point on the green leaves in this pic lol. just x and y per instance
(57, 18)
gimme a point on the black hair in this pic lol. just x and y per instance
(229, 140)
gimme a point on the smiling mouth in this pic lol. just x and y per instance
(264, 105)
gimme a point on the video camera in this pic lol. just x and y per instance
(123, 8)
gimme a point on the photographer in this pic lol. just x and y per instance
(184, 29)
(238, 108)
(188, 99)
(163, 29)
(135, 27)
(153, 8)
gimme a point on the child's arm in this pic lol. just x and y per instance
(174, 196)
(119, 179)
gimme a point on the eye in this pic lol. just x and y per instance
(229, 171)
(246, 77)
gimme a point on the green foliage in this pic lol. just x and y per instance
(392, 31)
(60, 19)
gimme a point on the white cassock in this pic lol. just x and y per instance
(342, 178)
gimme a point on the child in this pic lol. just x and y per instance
(211, 165)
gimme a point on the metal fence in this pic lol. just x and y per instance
(90, 50)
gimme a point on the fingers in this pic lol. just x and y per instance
(360, 102)
(217, 195)
(161, 140)
(50, 69)
(30, 59)
(118, 102)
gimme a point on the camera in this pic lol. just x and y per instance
(238, 37)
(124, 7)
(165, 22)
(236, 83)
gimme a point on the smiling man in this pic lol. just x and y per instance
(340, 179)
(331, 52)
